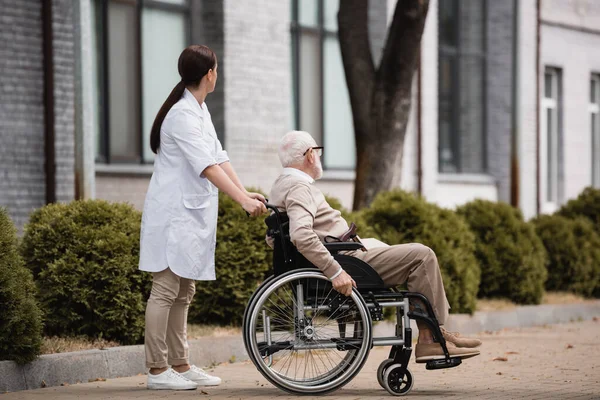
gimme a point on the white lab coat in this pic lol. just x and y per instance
(179, 222)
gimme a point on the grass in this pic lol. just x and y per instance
(51, 345)
(549, 298)
(196, 331)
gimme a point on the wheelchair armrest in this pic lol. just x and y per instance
(335, 247)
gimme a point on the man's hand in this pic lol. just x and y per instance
(257, 196)
(343, 283)
(270, 241)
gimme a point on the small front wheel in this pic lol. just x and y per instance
(381, 370)
(397, 380)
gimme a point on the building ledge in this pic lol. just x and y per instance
(339, 175)
(124, 170)
(469, 179)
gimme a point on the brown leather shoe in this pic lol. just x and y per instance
(433, 351)
(459, 341)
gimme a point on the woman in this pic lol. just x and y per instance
(180, 218)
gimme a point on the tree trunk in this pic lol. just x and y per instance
(380, 98)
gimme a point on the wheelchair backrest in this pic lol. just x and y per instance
(285, 255)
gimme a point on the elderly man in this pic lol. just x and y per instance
(312, 219)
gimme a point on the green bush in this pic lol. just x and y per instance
(242, 260)
(587, 205)
(511, 256)
(20, 316)
(573, 249)
(84, 258)
(399, 217)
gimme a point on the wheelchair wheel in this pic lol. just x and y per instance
(304, 337)
(381, 370)
(398, 380)
(250, 306)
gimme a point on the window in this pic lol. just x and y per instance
(551, 138)
(321, 105)
(461, 86)
(137, 44)
(595, 128)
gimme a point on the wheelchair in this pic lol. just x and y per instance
(307, 339)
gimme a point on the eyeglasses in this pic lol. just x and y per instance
(319, 150)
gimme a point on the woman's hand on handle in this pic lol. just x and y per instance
(254, 207)
(220, 179)
(257, 196)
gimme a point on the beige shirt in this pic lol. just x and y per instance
(311, 217)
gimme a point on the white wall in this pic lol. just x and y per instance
(527, 108)
(578, 55)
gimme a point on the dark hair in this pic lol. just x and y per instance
(194, 62)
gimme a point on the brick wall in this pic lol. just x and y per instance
(22, 175)
(64, 98)
(257, 86)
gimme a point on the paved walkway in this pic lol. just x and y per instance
(551, 362)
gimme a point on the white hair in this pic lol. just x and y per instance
(292, 147)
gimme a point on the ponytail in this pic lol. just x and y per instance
(173, 98)
(194, 62)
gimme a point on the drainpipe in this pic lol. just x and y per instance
(419, 128)
(514, 145)
(84, 118)
(538, 177)
(49, 133)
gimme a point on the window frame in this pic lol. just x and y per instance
(322, 33)
(102, 155)
(454, 53)
(594, 111)
(551, 169)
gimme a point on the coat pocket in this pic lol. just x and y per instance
(196, 201)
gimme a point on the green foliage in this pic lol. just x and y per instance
(242, 260)
(399, 217)
(84, 257)
(587, 205)
(20, 316)
(511, 256)
(573, 249)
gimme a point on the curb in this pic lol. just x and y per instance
(90, 365)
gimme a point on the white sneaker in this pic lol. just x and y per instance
(170, 380)
(200, 377)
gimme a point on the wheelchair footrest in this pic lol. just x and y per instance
(445, 363)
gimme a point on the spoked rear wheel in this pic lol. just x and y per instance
(305, 337)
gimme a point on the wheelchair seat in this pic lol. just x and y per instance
(286, 257)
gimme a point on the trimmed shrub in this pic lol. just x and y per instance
(573, 249)
(586, 205)
(20, 318)
(243, 260)
(511, 256)
(84, 257)
(399, 217)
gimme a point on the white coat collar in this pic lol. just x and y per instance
(189, 97)
(299, 174)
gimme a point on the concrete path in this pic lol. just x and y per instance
(549, 362)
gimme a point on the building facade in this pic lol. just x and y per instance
(505, 101)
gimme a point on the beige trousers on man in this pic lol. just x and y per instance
(414, 264)
(166, 320)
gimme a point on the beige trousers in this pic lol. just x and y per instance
(414, 264)
(166, 320)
